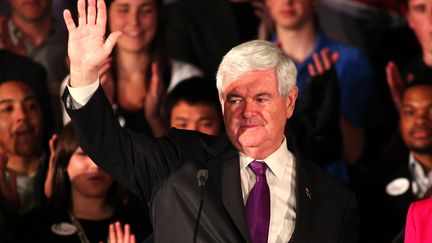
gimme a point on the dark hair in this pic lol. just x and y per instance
(423, 79)
(61, 187)
(196, 90)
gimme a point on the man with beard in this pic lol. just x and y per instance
(21, 157)
(405, 170)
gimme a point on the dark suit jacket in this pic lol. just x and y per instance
(163, 172)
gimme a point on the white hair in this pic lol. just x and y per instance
(257, 55)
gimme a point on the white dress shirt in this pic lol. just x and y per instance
(281, 180)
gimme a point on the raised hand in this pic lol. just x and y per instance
(266, 25)
(87, 47)
(116, 234)
(396, 83)
(322, 62)
(153, 101)
(50, 174)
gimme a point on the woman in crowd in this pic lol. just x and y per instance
(84, 202)
(419, 224)
(139, 73)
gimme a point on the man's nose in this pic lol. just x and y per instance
(422, 118)
(250, 109)
(20, 113)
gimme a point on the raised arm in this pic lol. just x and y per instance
(87, 47)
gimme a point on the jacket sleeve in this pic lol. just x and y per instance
(136, 161)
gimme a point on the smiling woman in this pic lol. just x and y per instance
(137, 20)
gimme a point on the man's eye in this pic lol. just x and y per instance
(261, 100)
(419, 8)
(180, 125)
(207, 124)
(234, 101)
(6, 109)
(408, 113)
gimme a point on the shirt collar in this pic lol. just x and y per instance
(15, 34)
(422, 179)
(276, 162)
(416, 167)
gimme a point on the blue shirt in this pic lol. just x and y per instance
(355, 74)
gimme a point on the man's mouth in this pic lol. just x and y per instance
(24, 130)
(421, 133)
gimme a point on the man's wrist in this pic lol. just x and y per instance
(80, 77)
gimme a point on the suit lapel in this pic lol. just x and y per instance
(224, 173)
(305, 203)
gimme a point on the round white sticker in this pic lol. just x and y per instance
(398, 186)
(63, 228)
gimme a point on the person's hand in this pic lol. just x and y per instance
(116, 234)
(87, 47)
(8, 187)
(6, 42)
(106, 79)
(153, 101)
(266, 25)
(50, 174)
(322, 62)
(396, 83)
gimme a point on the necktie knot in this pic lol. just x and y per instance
(258, 168)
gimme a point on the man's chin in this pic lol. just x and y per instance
(251, 139)
(26, 150)
(427, 149)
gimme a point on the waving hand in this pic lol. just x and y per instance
(87, 47)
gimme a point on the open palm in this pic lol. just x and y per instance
(87, 47)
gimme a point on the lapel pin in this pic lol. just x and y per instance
(308, 193)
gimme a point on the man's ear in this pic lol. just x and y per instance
(290, 101)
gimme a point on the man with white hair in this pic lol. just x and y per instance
(252, 186)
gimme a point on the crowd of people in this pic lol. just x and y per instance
(97, 108)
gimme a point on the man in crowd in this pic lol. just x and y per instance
(21, 156)
(192, 105)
